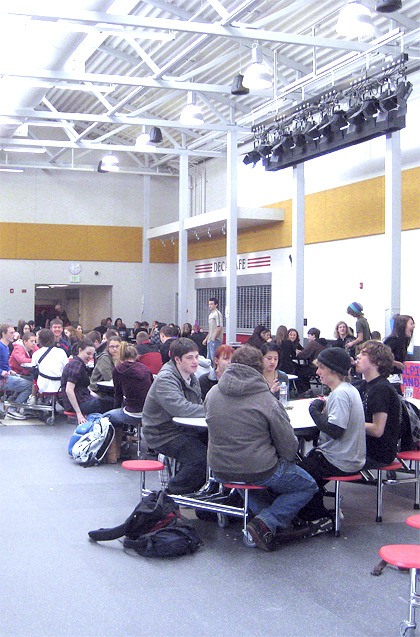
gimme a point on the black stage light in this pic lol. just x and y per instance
(298, 137)
(311, 131)
(252, 157)
(370, 107)
(237, 87)
(388, 6)
(263, 149)
(339, 120)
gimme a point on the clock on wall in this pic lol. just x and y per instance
(75, 268)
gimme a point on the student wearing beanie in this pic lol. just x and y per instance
(362, 326)
(340, 419)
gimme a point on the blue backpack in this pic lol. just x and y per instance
(82, 429)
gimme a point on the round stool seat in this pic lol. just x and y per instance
(356, 476)
(394, 466)
(143, 465)
(401, 555)
(409, 455)
(414, 521)
(239, 485)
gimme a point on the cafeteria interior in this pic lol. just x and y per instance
(58, 583)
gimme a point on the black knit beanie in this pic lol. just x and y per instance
(335, 358)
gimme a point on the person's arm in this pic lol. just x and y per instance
(118, 390)
(171, 398)
(356, 341)
(20, 355)
(307, 352)
(73, 402)
(283, 437)
(376, 428)
(320, 418)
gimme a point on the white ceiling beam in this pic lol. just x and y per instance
(93, 146)
(205, 28)
(115, 119)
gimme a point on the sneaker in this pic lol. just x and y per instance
(261, 534)
(31, 400)
(15, 413)
(323, 525)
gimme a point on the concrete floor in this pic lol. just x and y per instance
(56, 583)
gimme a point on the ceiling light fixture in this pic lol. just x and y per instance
(258, 76)
(354, 20)
(388, 6)
(108, 164)
(191, 114)
(11, 170)
(237, 87)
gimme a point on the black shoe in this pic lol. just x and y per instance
(261, 534)
(323, 525)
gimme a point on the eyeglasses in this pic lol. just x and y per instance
(113, 346)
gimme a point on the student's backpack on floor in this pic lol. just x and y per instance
(91, 448)
(143, 529)
(82, 429)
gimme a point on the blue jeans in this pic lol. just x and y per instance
(212, 347)
(293, 487)
(21, 388)
(119, 418)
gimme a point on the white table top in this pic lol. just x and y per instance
(297, 410)
(27, 365)
(415, 401)
(292, 376)
(190, 422)
(105, 383)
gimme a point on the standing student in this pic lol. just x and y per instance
(214, 338)
(362, 326)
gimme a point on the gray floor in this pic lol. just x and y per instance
(55, 582)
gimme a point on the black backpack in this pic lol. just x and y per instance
(154, 511)
(177, 538)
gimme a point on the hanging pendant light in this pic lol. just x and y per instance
(257, 76)
(355, 20)
(191, 114)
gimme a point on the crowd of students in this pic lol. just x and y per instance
(249, 437)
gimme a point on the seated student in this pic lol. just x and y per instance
(176, 392)
(56, 327)
(222, 357)
(380, 402)
(74, 391)
(307, 356)
(148, 353)
(251, 440)
(271, 373)
(340, 419)
(259, 336)
(50, 361)
(342, 335)
(121, 329)
(103, 369)
(132, 381)
(22, 353)
(167, 334)
(21, 387)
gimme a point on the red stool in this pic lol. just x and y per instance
(405, 556)
(338, 480)
(245, 488)
(414, 521)
(142, 466)
(413, 456)
(394, 466)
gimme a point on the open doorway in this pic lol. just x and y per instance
(84, 305)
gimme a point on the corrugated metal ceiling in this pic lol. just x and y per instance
(121, 82)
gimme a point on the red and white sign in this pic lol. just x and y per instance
(244, 264)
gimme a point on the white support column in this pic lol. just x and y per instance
(231, 237)
(182, 240)
(298, 242)
(146, 306)
(392, 246)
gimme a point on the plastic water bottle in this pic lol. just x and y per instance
(283, 394)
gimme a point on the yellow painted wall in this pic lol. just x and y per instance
(351, 211)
